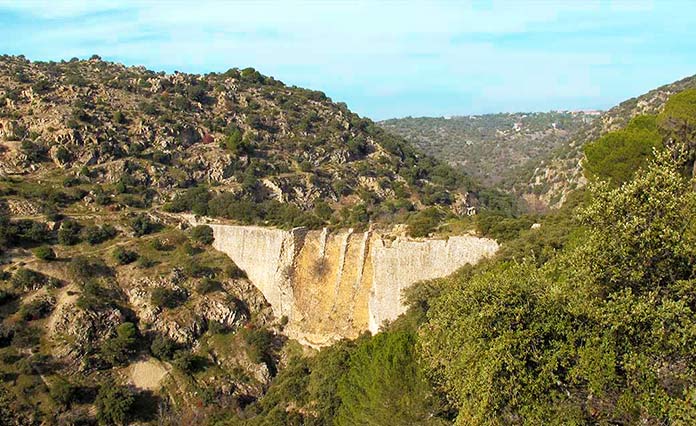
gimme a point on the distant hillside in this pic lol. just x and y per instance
(548, 184)
(491, 147)
(260, 151)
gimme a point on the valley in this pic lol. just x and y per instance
(225, 249)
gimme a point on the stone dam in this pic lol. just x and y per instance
(336, 284)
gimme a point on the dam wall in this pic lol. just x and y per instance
(337, 284)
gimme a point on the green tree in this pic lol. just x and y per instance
(114, 404)
(167, 298)
(69, 233)
(44, 253)
(424, 222)
(142, 225)
(163, 348)
(384, 384)
(600, 334)
(98, 234)
(617, 155)
(203, 234)
(123, 256)
(62, 391)
(234, 141)
(116, 350)
(28, 279)
(678, 122)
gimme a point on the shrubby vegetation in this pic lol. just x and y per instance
(166, 297)
(617, 155)
(143, 225)
(586, 320)
(114, 404)
(69, 233)
(677, 123)
(203, 234)
(488, 146)
(424, 222)
(44, 253)
(28, 279)
(117, 349)
(124, 256)
(587, 314)
(385, 385)
(98, 234)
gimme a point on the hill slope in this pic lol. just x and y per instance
(491, 147)
(113, 311)
(558, 174)
(149, 135)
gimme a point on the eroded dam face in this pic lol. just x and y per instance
(337, 284)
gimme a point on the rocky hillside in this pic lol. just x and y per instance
(110, 317)
(492, 147)
(549, 183)
(113, 309)
(143, 137)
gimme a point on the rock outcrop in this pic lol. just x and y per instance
(332, 285)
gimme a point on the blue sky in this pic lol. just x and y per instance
(386, 59)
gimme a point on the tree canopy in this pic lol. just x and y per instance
(603, 333)
(617, 155)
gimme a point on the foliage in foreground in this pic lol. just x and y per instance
(603, 333)
(375, 380)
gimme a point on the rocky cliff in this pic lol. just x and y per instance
(337, 284)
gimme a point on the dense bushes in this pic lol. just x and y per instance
(62, 391)
(98, 234)
(123, 256)
(167, 298)
(260, 343)
(384, 384)
(678, 123)
(371, 380)
(36, 309)
(83, 267)
(500, 227)
(117, 349)
(114, 404)
(143, 225)
(598, 334)
(207, 285)
(203, 234)
(187, 362)
(268, 212)
(22, 232)
(45, 253)
(235, 272)
(424, 222)
(69, 233)
(27, 279)
(95, 296)
(163, 348)
(617, 155)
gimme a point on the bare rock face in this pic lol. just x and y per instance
(75, 330)
(21, 207)
(332, 285)
(185, 323)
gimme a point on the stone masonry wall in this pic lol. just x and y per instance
(338, 284)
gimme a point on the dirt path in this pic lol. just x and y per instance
(62, 298)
